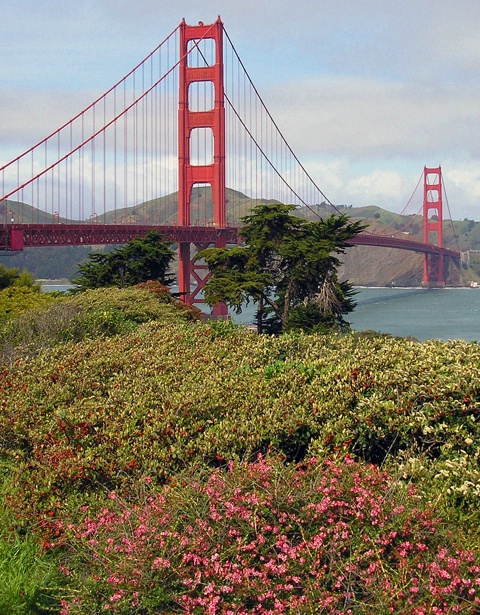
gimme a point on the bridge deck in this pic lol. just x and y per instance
(385, 241)
(20, 236)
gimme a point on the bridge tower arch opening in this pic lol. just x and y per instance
(433, 270)
(200, 68)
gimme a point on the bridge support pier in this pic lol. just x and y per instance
(16, 239)
(190, 271)
(433, 273)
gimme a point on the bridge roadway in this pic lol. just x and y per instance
(388, 241)
(14, 237)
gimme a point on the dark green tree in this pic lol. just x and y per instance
(145, 258)
(11, 276)
(288, 268)
(7, 276)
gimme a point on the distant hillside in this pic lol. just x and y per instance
(362, 265)
(164, 209)
(373, 266)
(17, 211)
(50, 263)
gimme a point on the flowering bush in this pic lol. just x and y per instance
(102, 413)
(135, 412)
(107, 411)
(261, 538)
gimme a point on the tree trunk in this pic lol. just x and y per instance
(286, 305)
(260, 316)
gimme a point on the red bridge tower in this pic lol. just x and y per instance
(433, 275)
(190, 174)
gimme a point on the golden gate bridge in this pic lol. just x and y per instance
(177, 145)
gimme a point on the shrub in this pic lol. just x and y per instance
(155, 396)
(190, 312)
(12, 277)
(92, 314)
(261, 538)
(172, 393)
(16, 300)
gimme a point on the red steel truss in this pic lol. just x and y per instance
(20, 236)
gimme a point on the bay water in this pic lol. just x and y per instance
(443, 314)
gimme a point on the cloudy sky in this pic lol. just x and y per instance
(367, 92)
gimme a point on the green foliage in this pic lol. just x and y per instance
(156, 425)
(12, 277)
(287, 268)
(19, 293)
(16, 300)
(159, 398)
(7, 276)
(25, 279)
(90, 315)
(146, 258)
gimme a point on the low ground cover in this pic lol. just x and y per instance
(144, 433)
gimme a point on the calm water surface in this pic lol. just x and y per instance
(444, 314)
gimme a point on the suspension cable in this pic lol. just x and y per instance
(92, 105)
(280, 132)
(450, 214)
(397, 216)
(103, 128)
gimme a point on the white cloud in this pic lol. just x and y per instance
(365, 117)
(29, 115)
(466, 175)
(378, 184)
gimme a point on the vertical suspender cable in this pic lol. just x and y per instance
(115, 178)
(104, 198)
(135, 146)
(93, 206)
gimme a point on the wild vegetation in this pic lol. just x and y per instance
(152, 463)
(19, 293)
(142, 259)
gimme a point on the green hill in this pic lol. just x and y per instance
(164, 209)
(21, 212)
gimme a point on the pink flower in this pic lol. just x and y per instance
(160, 562)
(117, 596)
